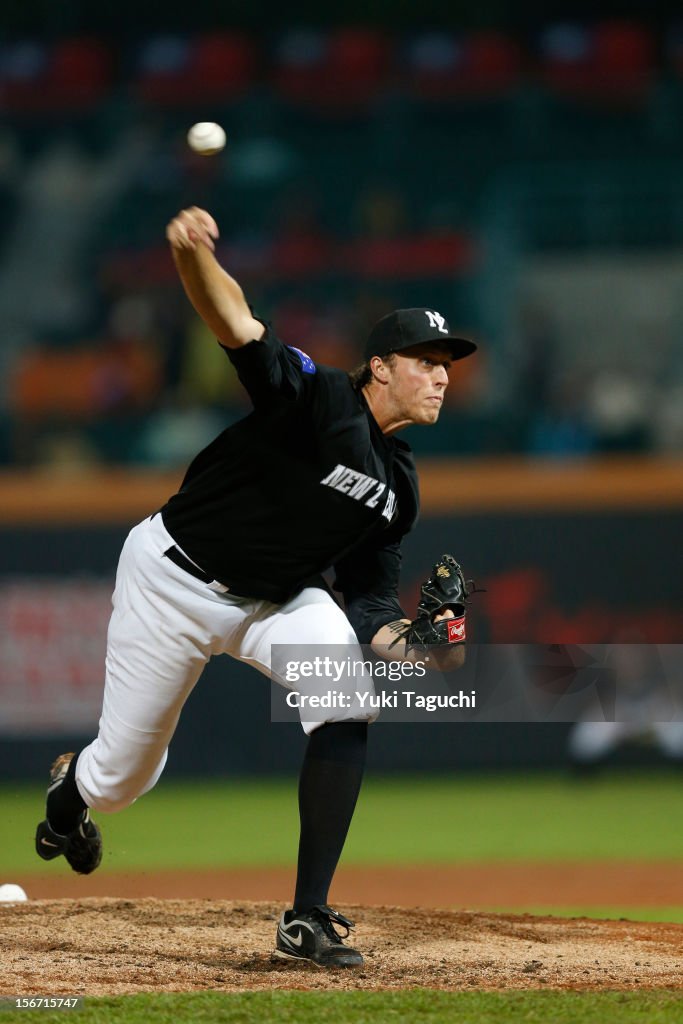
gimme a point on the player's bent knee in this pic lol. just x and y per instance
(112, 804)
(116, 796)
(110, 795)
(110, 791)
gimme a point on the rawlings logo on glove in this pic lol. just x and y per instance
(456, 630)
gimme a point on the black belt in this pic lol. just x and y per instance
(183, 562)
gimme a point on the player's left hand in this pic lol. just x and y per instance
(441, 610)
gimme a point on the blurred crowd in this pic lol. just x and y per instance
(363, 172)
(153, 386)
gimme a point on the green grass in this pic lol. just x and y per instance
(417, 1006)
(398, 821)
(670, 915)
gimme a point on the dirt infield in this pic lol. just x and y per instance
(100, 946)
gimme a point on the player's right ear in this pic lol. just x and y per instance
(380, 370)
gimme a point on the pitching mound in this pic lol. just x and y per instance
(110, 946)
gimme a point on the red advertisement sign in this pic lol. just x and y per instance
(52, 647)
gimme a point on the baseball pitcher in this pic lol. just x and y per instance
(313, 478)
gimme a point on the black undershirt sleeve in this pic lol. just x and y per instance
(368, 580)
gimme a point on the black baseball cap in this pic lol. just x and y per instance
(407, 327)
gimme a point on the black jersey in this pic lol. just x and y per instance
(307, 481)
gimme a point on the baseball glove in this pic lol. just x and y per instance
(445, 588)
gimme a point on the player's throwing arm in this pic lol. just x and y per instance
(215, 295)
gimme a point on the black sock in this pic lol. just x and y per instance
(329, 784)
(65, 805)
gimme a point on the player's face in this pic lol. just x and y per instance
(419, 378)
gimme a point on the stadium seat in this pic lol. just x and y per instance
(624, 56)
(24, 67)
(72, 75)
(610, 60)
(441, 65)
(300, 61)
(566, 56)
(673, 48)
(343, 70)
(173, 71)
(434, 64)
(162, 69)
(358, 63)
(492, 62)
(85, 380)
(80, 71)
(225, 63)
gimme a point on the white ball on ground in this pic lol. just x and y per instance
(10, 893)
(206, 138)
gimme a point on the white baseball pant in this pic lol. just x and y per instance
(164, 628)
(590, 741)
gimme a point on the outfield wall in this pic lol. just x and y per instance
(585, 555)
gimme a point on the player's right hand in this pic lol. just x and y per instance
(190, 228)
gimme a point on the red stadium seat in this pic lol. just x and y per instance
(442, 66)
(358, 62)
(492, 62)
(71, 75)
(612, 60)
(624, 56)
(80, 71)
(225, 63)
(344, 70)
(174, 71)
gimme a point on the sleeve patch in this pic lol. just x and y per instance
(307, 364)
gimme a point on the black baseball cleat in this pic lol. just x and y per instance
(82, 847)
(312, 936)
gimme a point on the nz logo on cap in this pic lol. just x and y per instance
(436, 320)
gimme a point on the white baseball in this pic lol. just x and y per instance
(10, 893)
(206, 138)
